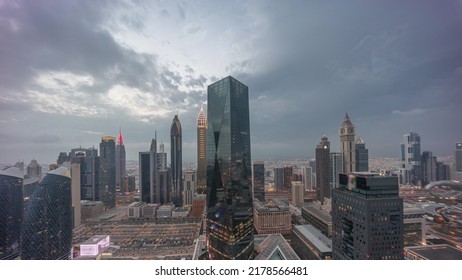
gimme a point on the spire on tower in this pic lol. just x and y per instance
(120, 140)
(201, 119)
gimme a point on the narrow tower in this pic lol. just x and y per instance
(176, 161)
(347, 145)
(201, 150)
(120, 161)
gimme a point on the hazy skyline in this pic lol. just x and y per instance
(73, 71)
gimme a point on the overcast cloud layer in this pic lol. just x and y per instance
(73, 71)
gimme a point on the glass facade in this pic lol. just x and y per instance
(229, 213)
(47, 226)
(176, 152)
(11, 209)
(107, 173)
(259, 181)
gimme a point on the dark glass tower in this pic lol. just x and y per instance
(107, 172)
(367, 218)
(120, 161)
(47, 226)
(89, 172)
(259, 181)
(229, 213)
(362, 156)
(322, 169)
(176, 161)
(148, 171)
(11, 209)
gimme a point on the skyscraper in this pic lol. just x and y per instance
(410, 159)
(362, 156)
(335, 168)
(307, 174)
(428, 168)
(201, 150)
(75, 193)
(322, 169)
(458, 157)
(347, 145)
(367, 218)
(107, 171)
(278, 178)
(11, 211)
(148, 171)
(288, 174)
(34, 169)
(176, 162)
(258, 177)
(161, 158)
(189, 187)
(229, 194)
(89, 172)
(298, 191)
(120, 161)
(47, 226)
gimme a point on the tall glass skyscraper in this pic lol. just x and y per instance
(229, 194)
(120, 161)
(47, 226)
(362, 156)
(176, 152)
(410, 159)
(11, 209)
(259, 180)
(322, 169)
(107, 171)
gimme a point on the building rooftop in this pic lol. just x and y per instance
(436, 252)
(319, 240)
(313, 209)
(273, 247)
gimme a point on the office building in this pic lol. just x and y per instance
(161, 158)
(335, 169)
(298, 191)
(362, 156)
(458, 157)
(272, 217)
(176, 161)
(89, 172)
(34, 169)
(310, 244)
(198, 205)
(163, 187)
(201, 150)
(367, 218)
(120, 162)
(47, 225)
(11, 211)
(62, 158)
(322, 169)
(278, 178)
(428, 168)
(189, 186)
(433, 252)
(107, 172)
(413, 226)
(442, 172)
(148, 173)
(347, 145)
(273, 247)
(410, 159)
(258, 183)
(318, 216)
(165, 211)
(75, 192)
(288, 176)
(307, 175)
(229, 192)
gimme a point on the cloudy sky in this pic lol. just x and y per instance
(73, 71)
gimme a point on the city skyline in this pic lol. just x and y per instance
(74, 73)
